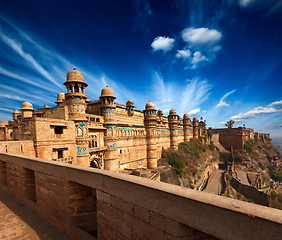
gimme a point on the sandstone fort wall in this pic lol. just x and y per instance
(91, 203)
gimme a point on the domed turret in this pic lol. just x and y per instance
(107, 92)
(185, 116)
(172, 112)
(27, 106)
(15, 114)
(60, 96)
(75, 83)
(75, 76)
(130, 107)
(150, 106)
(160, 112)
(27, 110)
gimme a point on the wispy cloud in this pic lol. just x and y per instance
(189, 96)
(221, 102)
(255, 112)
(162, 43)
(17, 47)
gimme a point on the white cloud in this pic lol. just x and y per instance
(245, 3)
(163, 43)
(194, 111)
(202, 45)
(202, 38)
(188, 96)
(17, 47)
(221, 102)
(185, 53)
(198, 57)
(254, 112)
(276, 104)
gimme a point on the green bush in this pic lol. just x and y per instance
(212, 146)
(175, 161)
(249, 146)
(239, 158)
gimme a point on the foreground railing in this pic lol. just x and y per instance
(87, 203)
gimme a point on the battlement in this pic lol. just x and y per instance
(89, 203)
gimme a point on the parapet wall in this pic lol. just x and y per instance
(86, 202)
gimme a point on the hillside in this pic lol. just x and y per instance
(255, 166)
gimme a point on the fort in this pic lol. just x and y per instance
(46, 157)
(103, 133)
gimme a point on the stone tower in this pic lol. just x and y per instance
(27, 110)
(187, 127)
(130, 108)
(15, 114)
(173, 125)
(202, 126)
(150, 122)
(195, 127)
(76, 102)
(108, 111)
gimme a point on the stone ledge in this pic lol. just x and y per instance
(221, 217)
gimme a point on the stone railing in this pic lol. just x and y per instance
(89, 203)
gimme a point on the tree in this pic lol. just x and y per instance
(230, 124)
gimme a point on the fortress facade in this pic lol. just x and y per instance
(101, 133)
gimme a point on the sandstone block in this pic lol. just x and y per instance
(123, 205)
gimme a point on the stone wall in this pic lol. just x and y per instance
(80, 200)
(24, 148)
(256, 195)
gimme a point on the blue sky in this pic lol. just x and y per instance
(219, 59)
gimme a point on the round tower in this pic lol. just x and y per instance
(76, 102)
(27, 110)
(130, 108)
(202, 126)
(108, 111)
(75, 96)
(15, 114)
(187, 126)
(150, 122)
(173, 125)
(195, 127)
(60, 98)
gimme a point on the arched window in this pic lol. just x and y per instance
(76, 89)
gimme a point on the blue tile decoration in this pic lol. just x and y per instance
(81, 151)
(112, 145)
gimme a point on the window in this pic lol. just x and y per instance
(58, 130)
(60, 154)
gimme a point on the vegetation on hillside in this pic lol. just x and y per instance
(249, 146)
(189, 157)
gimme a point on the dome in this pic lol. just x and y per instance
(46, 106)
(195, 119)
(160, 111)
(129, 103)
(107, 92)
(185, 116)
(172, 112)
(75, 76)
(16, 111)
(149, 106)
(27, 106)
(60, 97)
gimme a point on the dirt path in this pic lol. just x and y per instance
(18, 222)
